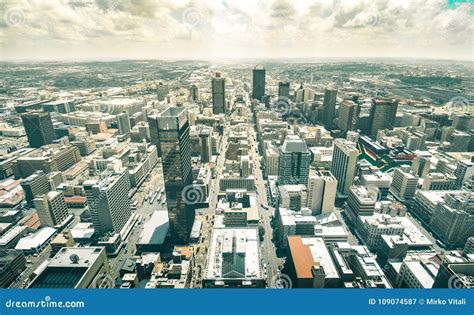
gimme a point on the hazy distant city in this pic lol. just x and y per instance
(267, 172)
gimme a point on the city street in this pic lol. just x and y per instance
(206, 215)
(268, 248)
(145, 210)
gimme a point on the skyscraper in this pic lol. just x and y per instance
(218, 94)
(344, 161)
(194, 92)
(382, 115)
(244, 166)
(51, 208)
(258, 90)
(108, 202)
(329, 107)
(206, 144)
(39, 128)
(404, 183)
(175, 150)
(34, 185)
(359, 203)
(294, 161)
(348, 116)
(452, 220)
(464, 171)
(123, 123)
(284, 90)
(322, 186)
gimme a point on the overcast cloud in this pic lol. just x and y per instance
(207, 29)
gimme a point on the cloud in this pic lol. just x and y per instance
(55, 29)
(282, 9)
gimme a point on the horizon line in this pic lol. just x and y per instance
(108, 59)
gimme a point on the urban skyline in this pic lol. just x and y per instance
(261, 172)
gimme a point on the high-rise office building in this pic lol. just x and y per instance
(404, 183)
(205, 136)
(282, 102)
(244, 166)
(258, 83)
(305, 95)
(194, 93)
(153, 129)
(464, 171)
(329, 107)
(284, 90)
(344, 161)
(12, 263)
(108, 202)
(294, 161)
(348, 116)
(293, 197)
(34, 185)
(123, 123)
(452, 220)
(75, 267)
(322, 187)
(218, 94)
(360, 202)
(51, 208)
(49, 158)
(39, 128)
(421, 165)
(175, 151)
(382, 115)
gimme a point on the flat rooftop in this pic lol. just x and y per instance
(309, 251)
(233, 253)
(67, 256)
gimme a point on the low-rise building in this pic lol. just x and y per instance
(75, 267)
(233, 259)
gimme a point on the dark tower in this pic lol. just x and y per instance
(175, 151)
(258, 90)
(39, 128)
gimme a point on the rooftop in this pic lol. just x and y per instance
(155, 229)
(234, 253)
(35, 240)
(294, 144)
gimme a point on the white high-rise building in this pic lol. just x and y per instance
(344, 161)
(51, 208)
(123, 123)
(453, 219)
(245, 166)
(464, 171)
(271, 156)
(404, 183)
(360, 202)
(322, 187)
(293, 197)
(108, 201)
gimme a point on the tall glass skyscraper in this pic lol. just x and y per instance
(382, 115)
(258, 90)
(175, 151)
(294, 161)
(39, 128)
(218, 94)
(329, 107)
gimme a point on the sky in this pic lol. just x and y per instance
(234, 29)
